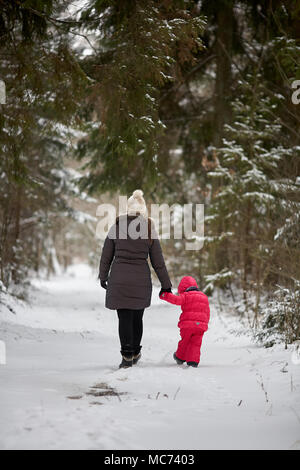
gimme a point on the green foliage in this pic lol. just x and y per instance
(30, 15)
(287, 52)
(44, 87)
(250, 189)
(136, 58)
(281, 320)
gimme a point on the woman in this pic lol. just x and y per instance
(125, 273)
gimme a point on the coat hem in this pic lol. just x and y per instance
(135, 307)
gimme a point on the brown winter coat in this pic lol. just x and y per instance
(124, 264)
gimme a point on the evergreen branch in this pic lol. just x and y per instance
(268, 92)
(187, 77)
(50, 18)
(63, 22)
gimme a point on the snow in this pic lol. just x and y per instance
(65, 342)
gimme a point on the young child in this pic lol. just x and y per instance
(193, 320)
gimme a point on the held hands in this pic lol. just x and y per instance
(165, 290)
(103, 284)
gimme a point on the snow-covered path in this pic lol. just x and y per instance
(61, 387)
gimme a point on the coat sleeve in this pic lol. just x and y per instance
(158, 263)
(171, 298)
(106, 258)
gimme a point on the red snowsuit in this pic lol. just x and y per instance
(193, 320)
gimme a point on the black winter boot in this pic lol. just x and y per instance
(126, 362)
(137, 355)
(179, 361)
(136, 358)
(192, 364)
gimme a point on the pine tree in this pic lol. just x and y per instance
(135, 57)
(44, 85)
(250, 198)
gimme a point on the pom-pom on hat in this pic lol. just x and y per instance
(136, 204)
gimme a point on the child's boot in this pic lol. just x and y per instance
(179, 361)
(192, 364)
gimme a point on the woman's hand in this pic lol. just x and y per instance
(103, 284)
(165, 290)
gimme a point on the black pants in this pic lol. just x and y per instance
(130, 331)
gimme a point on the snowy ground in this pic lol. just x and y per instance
(61, 387)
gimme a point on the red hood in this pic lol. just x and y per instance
(186, 281)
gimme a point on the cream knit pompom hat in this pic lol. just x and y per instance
(136, 204)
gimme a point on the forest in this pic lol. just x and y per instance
(191, 101)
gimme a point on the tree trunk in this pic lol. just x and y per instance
(224, 41)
